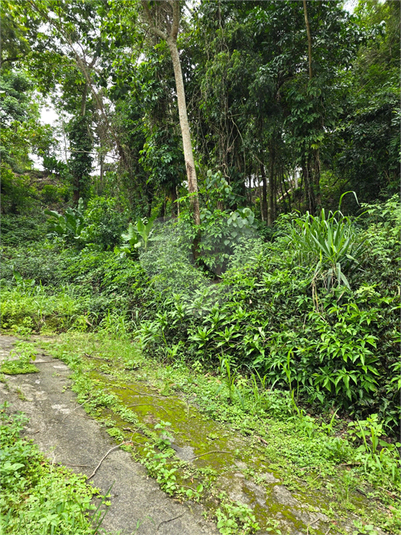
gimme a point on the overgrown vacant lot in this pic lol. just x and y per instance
(199, 206)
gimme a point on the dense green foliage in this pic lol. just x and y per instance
(323, 326)
(287, 122)
(287, 288)
(342, 338)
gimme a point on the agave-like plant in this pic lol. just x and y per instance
(330, 242)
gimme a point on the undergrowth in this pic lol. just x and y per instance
(344, 460)
(39, 498)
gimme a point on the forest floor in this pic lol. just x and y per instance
(209, 472)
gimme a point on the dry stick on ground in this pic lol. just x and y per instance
(169, 520)
(310, 525)
(103, 458)
(261, 439)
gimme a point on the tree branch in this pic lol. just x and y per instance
(152, 27)
(16, 58)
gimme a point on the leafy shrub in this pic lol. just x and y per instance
(137, 236)
(104, 223)
(343, 342)
(17, 195)
(36, 308)
(221, 228)
(51, 193)
(69, 226)
(331, 244)
(168, 261)
(101, 224)
(101, 283)
(220, 232)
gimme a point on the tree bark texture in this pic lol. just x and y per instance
(312, 174)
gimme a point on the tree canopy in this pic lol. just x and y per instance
(293, 102)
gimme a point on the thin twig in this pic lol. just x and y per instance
(262, 440)
(170, 520)
(311, 524)
(103, 458)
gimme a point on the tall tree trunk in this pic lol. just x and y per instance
(173, 194)
(170, 36)
(76, 185)
(272, 188)
(101, 174)
(178, 202)
(309, 40)
(308, 186)
(186, 134)
(316, 178)
(263, 199)
(313, 171)
(287, 194)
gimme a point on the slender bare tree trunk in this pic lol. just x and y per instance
(185, 132)
(263, 199)
(272, 188)
(169, 34)
(309, 40)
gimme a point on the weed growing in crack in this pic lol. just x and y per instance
(21, 365)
